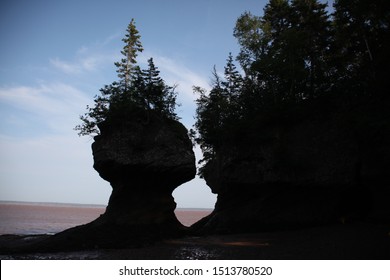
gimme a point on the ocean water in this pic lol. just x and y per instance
(50, 218)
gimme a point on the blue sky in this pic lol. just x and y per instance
(56, 55)
(54, 58)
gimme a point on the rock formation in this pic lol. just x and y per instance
(144, 157)
(144, 162)
(327, 166)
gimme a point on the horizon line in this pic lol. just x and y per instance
(83, 204)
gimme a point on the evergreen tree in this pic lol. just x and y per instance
(233, 79)
(277, 67)
(361, 45)
(127, 65)
(211, 112)
(285, 57)
(297, 54)
(218, 110)
(159, 97)
(252, 36)
(312, 22)
(137, 90)
(154, 86)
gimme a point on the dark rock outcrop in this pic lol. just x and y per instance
(325, 167)
(144, 157)
(144, 162)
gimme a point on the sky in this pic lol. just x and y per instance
(56, 55)
(54, 58)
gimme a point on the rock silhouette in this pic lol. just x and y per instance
(325, 167)
(144, 157)
(144, 163)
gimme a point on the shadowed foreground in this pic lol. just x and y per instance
(350, 241)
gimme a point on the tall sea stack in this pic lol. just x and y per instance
(144, 157)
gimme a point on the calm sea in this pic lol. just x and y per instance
(48, 218)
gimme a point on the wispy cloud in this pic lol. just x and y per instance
(89, 58)
(59, 104)
(84, 64)
(175, 72)
(66, 67)
(56, 105)
(183, 73)
(45, 98)
(53, 162)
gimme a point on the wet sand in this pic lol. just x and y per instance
(336, 242)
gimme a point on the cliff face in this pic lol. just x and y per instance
(320, 169)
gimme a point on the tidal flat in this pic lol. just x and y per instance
(355, 241)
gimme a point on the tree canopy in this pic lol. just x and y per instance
(136, 90)
(296, 53)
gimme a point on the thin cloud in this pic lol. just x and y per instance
(66, 67)
(178, 73)
(83, 65)
(45, 98)
(89, 58)
(56, 105)
(110, 39)
(52, 162)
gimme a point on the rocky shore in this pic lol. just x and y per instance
(337, 242)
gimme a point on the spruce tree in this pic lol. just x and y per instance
(136, 90)
(154, 86)
(126, 66)
(233, 79)
(362, 32)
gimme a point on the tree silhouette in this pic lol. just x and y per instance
(127, 65)
(136, 90)
(292, 56)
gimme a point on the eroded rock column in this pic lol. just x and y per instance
(144, 160)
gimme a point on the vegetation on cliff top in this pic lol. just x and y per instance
(136, 90)
(296, 54)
